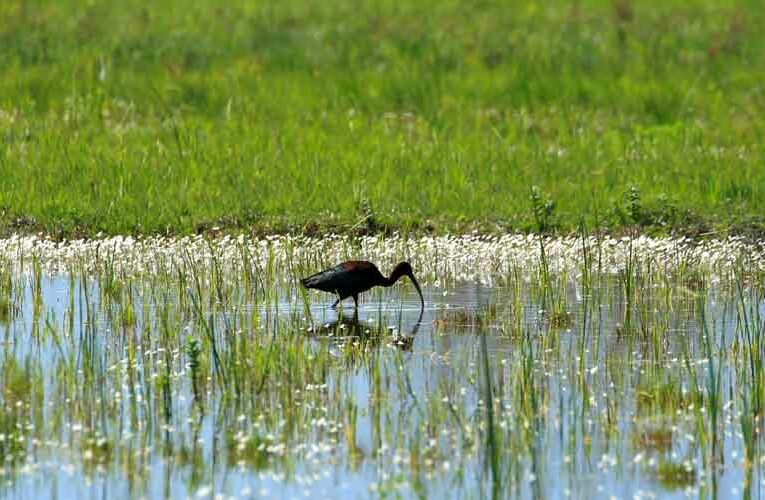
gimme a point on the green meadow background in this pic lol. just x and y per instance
(181, 116)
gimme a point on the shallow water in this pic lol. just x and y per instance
(601, 386)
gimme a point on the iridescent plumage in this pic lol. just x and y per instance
(353, 277)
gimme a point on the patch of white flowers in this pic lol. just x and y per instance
(481, 258)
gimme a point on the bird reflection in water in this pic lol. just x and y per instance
(349, 329)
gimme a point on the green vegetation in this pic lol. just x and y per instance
(177, 116)
(187, 371)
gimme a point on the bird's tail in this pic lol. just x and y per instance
(318, 280)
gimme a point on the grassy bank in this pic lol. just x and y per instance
(136, 117)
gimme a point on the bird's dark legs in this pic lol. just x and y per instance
(355, 301)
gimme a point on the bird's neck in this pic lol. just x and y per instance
(390, 280)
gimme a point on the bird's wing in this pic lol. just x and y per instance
(323, 279)
(342, 276)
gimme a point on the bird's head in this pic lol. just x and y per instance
(401, 269)
(405, 269)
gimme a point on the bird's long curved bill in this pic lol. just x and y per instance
(417, 286)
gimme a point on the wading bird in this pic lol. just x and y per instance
(351, 278)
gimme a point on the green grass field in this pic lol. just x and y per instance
(129, 116)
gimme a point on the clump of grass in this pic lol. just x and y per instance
(663, 398)
(5, 309)
(250, 450)
(20, 397)
(97, 450)
(462, 318)
(654, 438)
(560, 319)
(543, 208)
(6, 291)
(674, 476)
(193, 351)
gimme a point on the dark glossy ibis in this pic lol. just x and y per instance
(351, 278)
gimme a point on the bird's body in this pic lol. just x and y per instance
(353, 277)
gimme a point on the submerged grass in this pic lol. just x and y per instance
(122, 118)
(203, 369)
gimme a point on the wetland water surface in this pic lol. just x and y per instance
(539, 368)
